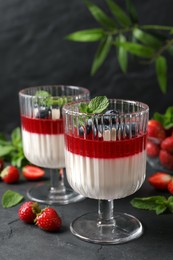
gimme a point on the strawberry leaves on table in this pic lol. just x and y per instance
(11, 149)
(159, 204)
(11, 198)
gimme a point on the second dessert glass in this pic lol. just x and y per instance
(43, 138)
(106, 160)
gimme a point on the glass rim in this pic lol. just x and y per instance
(144, 108)
(23, 94)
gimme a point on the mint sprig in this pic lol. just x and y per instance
(95, 106)
(165, 119)
(44, 98)
(159, 204)
(11, 198)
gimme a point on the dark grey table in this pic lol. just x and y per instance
(19, 241)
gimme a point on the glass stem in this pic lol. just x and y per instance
(57, 181)
(106, 213)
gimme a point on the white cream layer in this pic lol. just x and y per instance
(44, 150)
(105, 178)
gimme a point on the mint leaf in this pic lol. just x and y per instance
(98, 104)
(11, 198)
(156, 203)
(42, 93)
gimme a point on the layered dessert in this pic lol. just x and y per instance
(102, 169)
(105, 152)
(43, 134)
(43, 141)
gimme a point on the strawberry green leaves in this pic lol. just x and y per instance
(159, 204)
(11, 198)
(165, 119)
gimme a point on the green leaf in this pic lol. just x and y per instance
(122, 53)
(170, 50)
(146, 38)
(100, 16)
(161, 72)
(137, 49)
(42, 93)
(165, 119)
(170, 204)
(132, 11)
(98, 104)
(156, 203)
(83, 108)
(118, 12)
(89, 35)
(11, 198)
(5, 150)
(101, 54)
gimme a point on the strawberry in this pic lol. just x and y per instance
(160, 180)
(10, 174)
(28, 210)
(49, 220)
(156, 130)
(167, 144)
(166, 159)
(152, 149)
(32, 173)
(170, 186)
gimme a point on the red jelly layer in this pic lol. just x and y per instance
(105, 149)
(42, 126)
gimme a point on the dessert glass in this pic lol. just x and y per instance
(105, 158)
(43, 138)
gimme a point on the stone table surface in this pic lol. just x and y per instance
(19, 241)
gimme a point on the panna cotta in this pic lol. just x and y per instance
(103, 168)
(43, 141)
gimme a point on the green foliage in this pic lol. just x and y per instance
(121, 28)
(11, 198)
(12, 150)
(165, 119)
(159, 204)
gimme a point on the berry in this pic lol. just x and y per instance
(156, 130)
(107, 119)
(42, 112)
(166, 159)
(167, 144)
(152, 149)
(32, 173)
(49, 220)
(10, 174)
(170, 186)
(28, 210)
(160, 180)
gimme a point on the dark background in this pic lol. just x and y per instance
(33, 51)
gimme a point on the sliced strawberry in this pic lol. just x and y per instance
(160, 180)
(166, 159)
(32, 173)
(28, 210)
(10, 174)
(167, 144)
(49, 220)
(152, 149)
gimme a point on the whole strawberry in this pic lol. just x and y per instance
(49, 220)
(156, 131)
(10, 174)
(166, 159)
(167, 144)
(152, 149)
(28, 211)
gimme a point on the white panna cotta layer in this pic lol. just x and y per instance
(105, 178)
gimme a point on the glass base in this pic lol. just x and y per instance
(126, 228)
(42, 194)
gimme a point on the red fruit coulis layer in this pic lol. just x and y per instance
(105, 149)
(42, 126)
